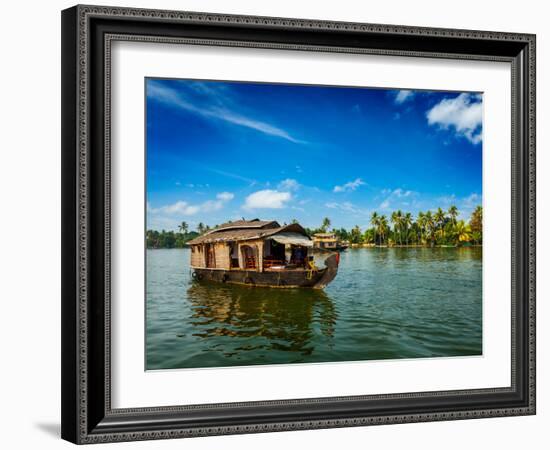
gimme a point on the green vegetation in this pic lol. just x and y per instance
(401, 229)
(170, 239)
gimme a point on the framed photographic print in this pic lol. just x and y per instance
(268, 222)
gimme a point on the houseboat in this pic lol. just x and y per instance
(328, 241)
(260, 253)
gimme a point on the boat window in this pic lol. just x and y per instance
(234, 255)
(249, 254)
(274, 254)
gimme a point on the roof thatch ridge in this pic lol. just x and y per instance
(325, 234)
(245, 234)
(244, 224)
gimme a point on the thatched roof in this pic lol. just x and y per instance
(245, 233)
(245, 224)
(324, 235)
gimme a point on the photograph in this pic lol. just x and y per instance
(272, 222)
(301, 223)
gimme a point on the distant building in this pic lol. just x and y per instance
(328, 241)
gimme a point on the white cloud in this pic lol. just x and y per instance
(346, 206)
(401, 193)
(267, 199)
(289, 184)
(403, 95)
(396, 198)
(186, 209)
(232, 175)
(163, 222)
(463, 113)
(213, 109)
(350, 186)
(225, 196)
(472, 200)
(168, 216)
(447, 200)
(465, 205)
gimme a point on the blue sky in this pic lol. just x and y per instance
(219, 151)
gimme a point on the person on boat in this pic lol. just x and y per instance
(298, 256)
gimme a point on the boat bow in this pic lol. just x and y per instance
(331, 270)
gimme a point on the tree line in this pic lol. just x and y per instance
(175, 239)
(170, 239)
(401, 228)
(441, 227)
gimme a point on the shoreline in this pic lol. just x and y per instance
(356, 246)
(353, 247)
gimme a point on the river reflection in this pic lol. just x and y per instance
(283, 319)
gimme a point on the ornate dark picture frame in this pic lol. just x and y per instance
(87, 34)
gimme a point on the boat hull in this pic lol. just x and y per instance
(340, 248)
(315, 279)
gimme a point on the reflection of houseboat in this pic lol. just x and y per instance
(328, 241)
(260, 253)
(290, 319)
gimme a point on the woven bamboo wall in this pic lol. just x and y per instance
(197, 256)
(223, 260)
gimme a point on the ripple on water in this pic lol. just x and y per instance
(383, 304)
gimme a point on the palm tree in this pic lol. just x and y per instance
(453, 213)
(463, 232)
(478, 212)
(421, 221)
(183, 227)
(476, 224)
(439, 218)
(374, 219)
(430, 226)
(326, 224)
(368, 236)
(201, 228)
(382, 226)
(407, 222)
(395, 218)
(355, 236)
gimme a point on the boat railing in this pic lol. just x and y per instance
(270, 262)
(250, 262)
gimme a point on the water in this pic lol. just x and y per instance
(383, 304)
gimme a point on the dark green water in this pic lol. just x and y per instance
(383, 304)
